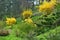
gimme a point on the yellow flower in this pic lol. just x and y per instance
(41, 8)
(54, 2)
(47, 6)
(27, 13)
(10, 21)
(13, 20)
(29, 20)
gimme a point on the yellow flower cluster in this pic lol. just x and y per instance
(29, 20)
(27, 13)
(47, 6)
(10, 21)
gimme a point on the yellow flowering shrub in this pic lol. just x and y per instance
(10, 21)
(47, 6)
(27, 13)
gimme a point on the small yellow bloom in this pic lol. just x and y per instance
(29, 20)
(27, 13)
(7, 22)
(13, 20)
(10, 21)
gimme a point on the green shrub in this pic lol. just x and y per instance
(51, 35)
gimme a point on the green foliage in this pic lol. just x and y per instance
(26, 30)
(2, 24)
(46, 27)
(51, 35)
